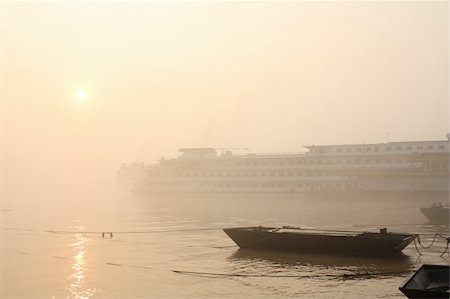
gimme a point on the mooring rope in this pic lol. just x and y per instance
(431, 244)
(243, 275)
(428, 246)
(223, 247)
(112, 233)
(417, 249)
(446, 247)
(131, 232)
(343, 276)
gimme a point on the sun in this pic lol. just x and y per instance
(81, 95)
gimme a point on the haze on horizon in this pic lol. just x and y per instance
(86, 86)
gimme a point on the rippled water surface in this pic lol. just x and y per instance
(58, 251)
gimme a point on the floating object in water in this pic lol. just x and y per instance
(430, 281)
(324, 241)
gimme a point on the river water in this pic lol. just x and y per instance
(58, 251)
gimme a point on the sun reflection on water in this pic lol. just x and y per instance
(77, 284)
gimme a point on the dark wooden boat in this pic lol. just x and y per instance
(437, 213)
(320, 241)
(430, 281)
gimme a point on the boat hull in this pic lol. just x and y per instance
(430, 281)
(437, 214)
(369, 244)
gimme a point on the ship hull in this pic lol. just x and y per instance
(426, 195)
(217, 194)
(436, 214)
(369, 244)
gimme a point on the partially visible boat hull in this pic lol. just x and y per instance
(430, 281)
(437, 214)
(372, 244)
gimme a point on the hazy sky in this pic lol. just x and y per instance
(263, 75)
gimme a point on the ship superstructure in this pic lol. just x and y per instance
(392, 167)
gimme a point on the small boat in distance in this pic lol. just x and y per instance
(437, 213)
(430, 281)
(296, 239)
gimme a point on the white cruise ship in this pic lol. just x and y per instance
(415, 168)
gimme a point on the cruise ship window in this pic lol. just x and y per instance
(398, 148)
(358, 149)
(441, 147)
(368, 149)
(409, 147)
(348, 149)
(430, 147)
(376, 148)
(388, 148)
(420, 147)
